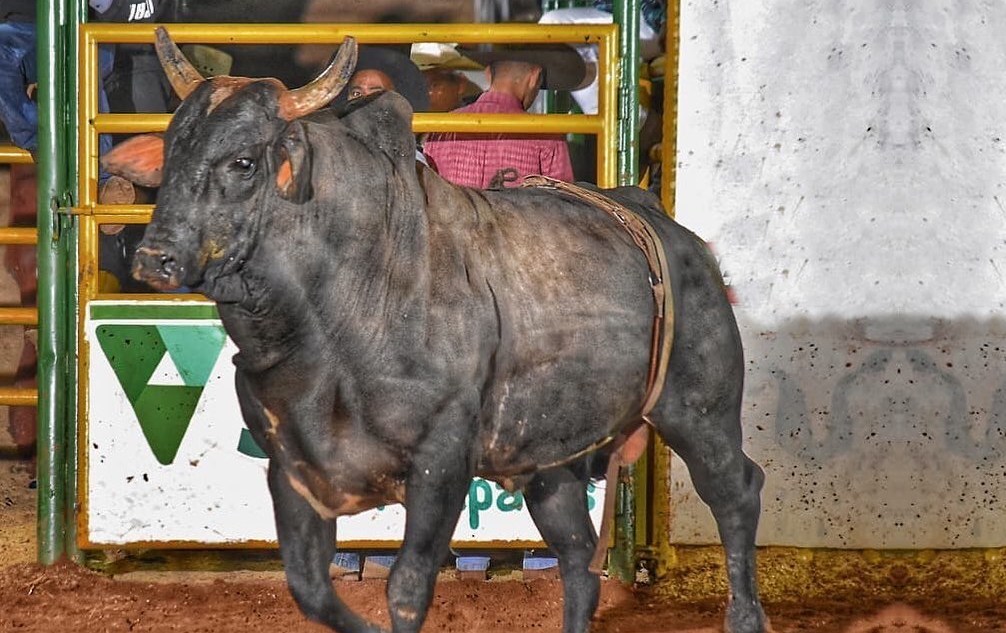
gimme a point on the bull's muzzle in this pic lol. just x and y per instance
(156, 268)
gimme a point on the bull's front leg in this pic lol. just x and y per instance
(435, 494)
(306, 540)
(307, 544)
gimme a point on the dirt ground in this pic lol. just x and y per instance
(66, 597)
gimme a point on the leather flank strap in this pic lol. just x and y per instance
(646, 239)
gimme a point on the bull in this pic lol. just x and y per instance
(399, 335)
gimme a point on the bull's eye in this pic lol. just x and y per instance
(245, 166)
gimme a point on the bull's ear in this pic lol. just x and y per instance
(292, 158)
(139, 159)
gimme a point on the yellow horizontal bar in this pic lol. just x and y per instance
(12, 154)
(126, 123)
(333, 33)
(526, 123)
(18, 235)
(421, 122)
(150, 296)
(18, 397)
(120, 213)
(129, 216)
(11, 315)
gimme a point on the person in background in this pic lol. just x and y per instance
(17, 72)
(381, 68)
(19, 69)
(137, 82)
(652, 25)
(449, 89)
(515, 76)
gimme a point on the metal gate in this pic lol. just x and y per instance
(79, 431)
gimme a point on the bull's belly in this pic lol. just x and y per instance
(553, 412)
(514, 446)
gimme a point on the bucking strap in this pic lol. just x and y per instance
(644, 237)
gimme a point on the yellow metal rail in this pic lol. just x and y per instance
(11, 315)
(18, 235)
(422, 122)
(92, 123)
(15, 315)
(11, 154)
(18, 397)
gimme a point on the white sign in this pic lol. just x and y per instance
(169, 460)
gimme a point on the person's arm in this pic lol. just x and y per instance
(555, 161)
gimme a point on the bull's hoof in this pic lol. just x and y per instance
(746, 618)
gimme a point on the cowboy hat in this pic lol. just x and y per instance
(428, 55)
(563, 67)
(409, 81)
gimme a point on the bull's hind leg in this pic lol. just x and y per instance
(699, 416)
(730, 484)
(557, 500)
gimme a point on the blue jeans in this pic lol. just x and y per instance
(106, 62)
(17, 71)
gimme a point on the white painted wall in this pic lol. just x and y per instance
(847, 159)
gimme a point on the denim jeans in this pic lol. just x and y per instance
(106, 61)
(17, 71)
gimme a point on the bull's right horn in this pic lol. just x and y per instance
(181, 73)
(294, 104)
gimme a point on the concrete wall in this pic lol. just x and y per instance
(847, 160)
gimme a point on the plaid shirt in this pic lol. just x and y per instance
(472, 160)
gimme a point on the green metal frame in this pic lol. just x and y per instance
(58, 26)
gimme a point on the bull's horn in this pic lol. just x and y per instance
(305, 100)
(181, 73)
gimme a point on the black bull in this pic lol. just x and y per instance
(399, 335)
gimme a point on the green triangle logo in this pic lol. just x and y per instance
(164, 411)
(194, 349)
(248, 446)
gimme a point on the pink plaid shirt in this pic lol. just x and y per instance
(473, 159)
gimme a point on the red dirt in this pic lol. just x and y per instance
(66, 597)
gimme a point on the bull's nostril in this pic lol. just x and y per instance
(168, 265)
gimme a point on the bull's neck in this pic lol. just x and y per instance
(329, 281)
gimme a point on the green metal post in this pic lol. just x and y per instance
(69, 266)
(621, 561)
(57, 273)
(51, 385)
(627, 18)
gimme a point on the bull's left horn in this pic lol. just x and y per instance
(181, 73)
(294, 104)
